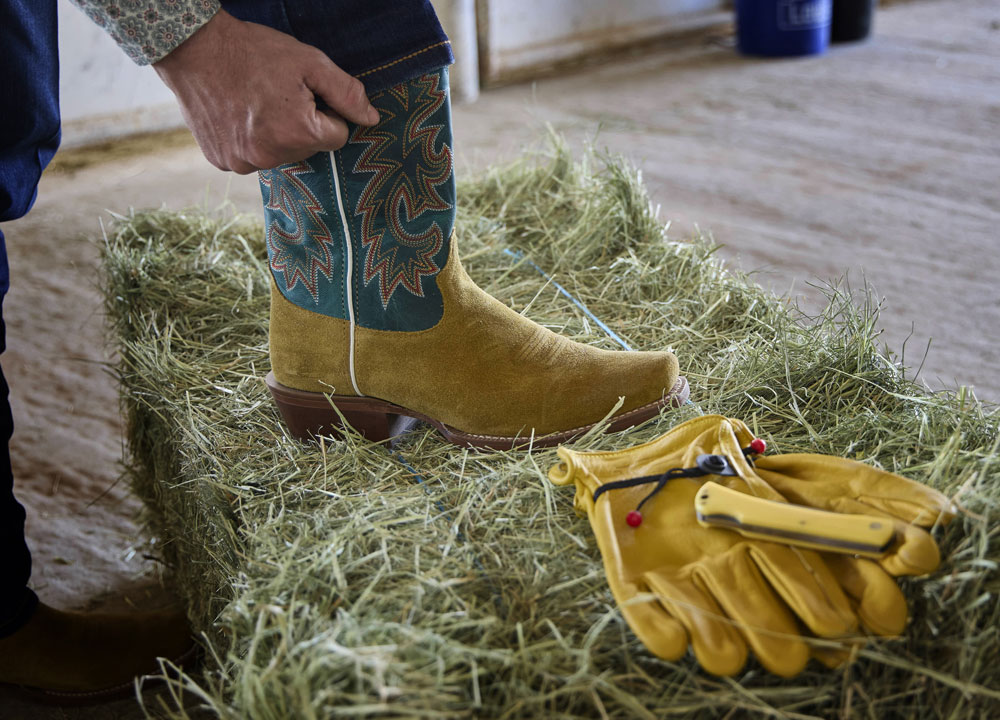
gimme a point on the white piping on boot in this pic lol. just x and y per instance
(349, 255)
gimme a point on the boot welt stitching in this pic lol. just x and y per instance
(678, 386)
(679, 390)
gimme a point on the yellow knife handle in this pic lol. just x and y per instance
(719, 506)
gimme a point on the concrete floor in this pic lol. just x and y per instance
(879, 160)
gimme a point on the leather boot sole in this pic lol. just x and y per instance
(311, 414)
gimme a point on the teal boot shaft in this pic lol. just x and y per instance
(360, 234)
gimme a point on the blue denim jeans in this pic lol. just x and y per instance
(29, 136)
(382, 42)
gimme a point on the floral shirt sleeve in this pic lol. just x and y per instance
(147, 30)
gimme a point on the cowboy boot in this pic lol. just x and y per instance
(374, 319)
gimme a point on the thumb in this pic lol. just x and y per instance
(343, 93)
(329, 132)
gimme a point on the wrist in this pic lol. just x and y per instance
(193, 49)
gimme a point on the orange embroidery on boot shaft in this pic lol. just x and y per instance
(406, 171)
(301, 254)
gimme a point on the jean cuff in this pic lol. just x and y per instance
(407, 67)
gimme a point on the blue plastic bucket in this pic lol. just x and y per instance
(783, 27)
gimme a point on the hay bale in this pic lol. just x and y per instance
(350, 579)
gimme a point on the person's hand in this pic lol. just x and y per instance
(248, 94)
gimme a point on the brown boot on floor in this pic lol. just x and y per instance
(77, 658)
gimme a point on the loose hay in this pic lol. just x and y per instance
(347, 579)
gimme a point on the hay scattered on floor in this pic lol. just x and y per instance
(71, 160)
(346, 579)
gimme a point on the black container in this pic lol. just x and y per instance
(851, 20)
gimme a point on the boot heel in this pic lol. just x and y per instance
(373, 426)
(308, 414)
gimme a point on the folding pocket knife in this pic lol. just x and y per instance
(719, 506)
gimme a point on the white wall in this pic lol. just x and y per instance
(102, 92)
(458, 18)
(517, 37)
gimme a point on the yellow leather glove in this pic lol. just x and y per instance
(679, 583)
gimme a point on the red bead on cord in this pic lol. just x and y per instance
(758, 445)
(634, 519)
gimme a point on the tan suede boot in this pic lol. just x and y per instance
(76, 658)
(372, 311)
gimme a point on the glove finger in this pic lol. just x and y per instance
(807, 586)
(868, 491)
(835, 657)
(913, 502)
(877, 598)
(717, 644)
(760, 615)
(915, 552)
(662, 634)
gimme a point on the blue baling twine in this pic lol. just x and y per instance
(459, 535)
(519, 256)
(437, 503)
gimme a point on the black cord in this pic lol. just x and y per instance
(663, 478)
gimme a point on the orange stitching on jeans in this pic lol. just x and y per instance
(405, 57)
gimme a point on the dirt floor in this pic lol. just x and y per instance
(880, 161)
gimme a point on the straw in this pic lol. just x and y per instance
(350, 579)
